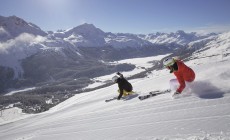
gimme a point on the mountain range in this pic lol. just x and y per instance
(31, 57)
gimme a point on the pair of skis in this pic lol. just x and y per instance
(143, 97)
(153, 93)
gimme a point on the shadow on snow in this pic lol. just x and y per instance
(130, 97)
(206, 90)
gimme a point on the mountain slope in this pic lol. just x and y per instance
(204, 115)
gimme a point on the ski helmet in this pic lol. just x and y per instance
(114, 79)
(168, 62)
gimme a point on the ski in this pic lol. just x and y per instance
(153, 93)
(111, 99)
(126, 98)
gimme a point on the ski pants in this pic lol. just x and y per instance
(125, 93)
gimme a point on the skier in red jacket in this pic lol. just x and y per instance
(183, 73)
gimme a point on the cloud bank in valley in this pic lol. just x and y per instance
(23, 39)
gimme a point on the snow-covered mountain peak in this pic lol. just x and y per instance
(180, 32)
(85, 30)
(16, 20)
(83, 35)
(86, 26)
(14, 26)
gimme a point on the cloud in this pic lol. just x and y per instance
(22, 39)
(3, 31)
(210, 29)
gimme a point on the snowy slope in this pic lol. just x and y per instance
(204, 115)
(213, 50)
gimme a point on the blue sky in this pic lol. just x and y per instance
(125, 16)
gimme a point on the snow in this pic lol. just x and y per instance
(11, 114)
(17, 91)
(74, 38)
(205, 115)
(216, 50)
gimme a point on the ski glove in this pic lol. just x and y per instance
(118, 73)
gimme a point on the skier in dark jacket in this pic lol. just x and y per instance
(125, 88)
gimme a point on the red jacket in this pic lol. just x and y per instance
(184, 73)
